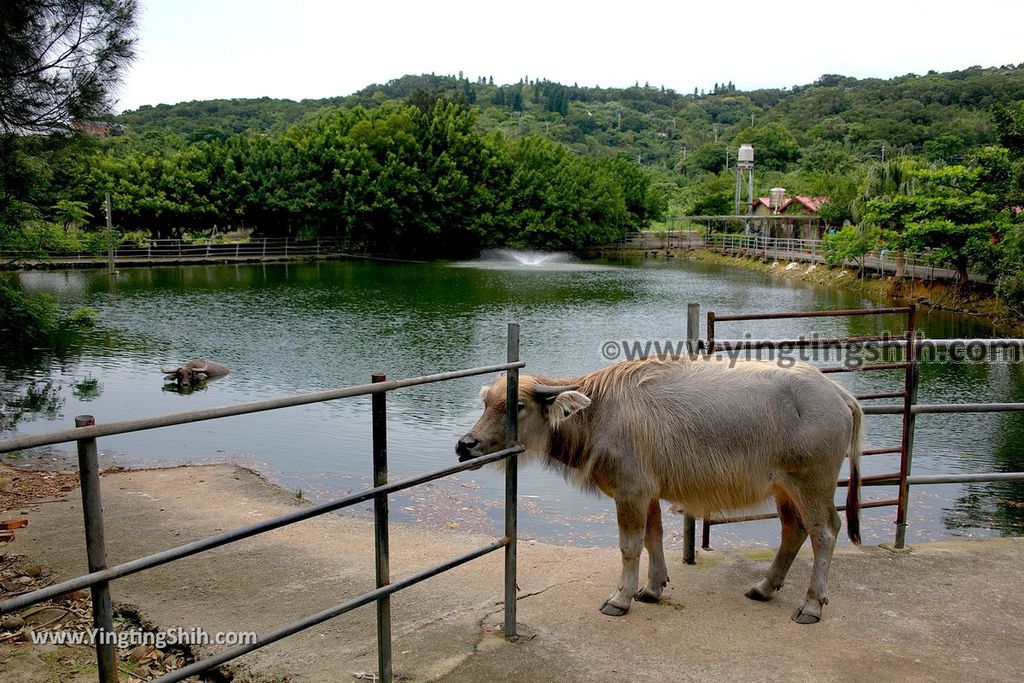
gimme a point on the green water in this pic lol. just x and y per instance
(292, 328)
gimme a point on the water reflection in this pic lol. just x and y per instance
(292, 328)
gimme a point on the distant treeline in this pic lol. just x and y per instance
(413, 179)
(849, 120)
(815, 139)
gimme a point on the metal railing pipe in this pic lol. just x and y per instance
(926, 408)
(813, 314)
(912, 380)
(511, 481)
(968, 408)
(171, 419)
(320, 617)
(210, 542)
(381, 541)
(965, 478)
(96, 552)
(689, 521)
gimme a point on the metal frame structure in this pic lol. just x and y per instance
(100, 575)
(909, 343)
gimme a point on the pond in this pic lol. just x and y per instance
(299, 327)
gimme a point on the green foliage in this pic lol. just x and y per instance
(709, 157)
(950, 215)
(442, 166)
(775, 147)
(712, 204)
(1010, 287)
(415, 179)
(83, 318)
(851, 243)
(71, 213)
(26, 317)
(60, 60)
(35, 318)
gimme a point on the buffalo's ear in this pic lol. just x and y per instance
(201, 375)
(171, 376)
(565, 405)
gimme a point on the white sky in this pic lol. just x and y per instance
(211, 49)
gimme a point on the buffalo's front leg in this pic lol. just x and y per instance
(632, 522)
(657, 571)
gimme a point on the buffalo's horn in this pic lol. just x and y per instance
(550, 391)
(199, 368)
(168, 372)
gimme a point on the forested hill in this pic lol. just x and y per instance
(833, 123)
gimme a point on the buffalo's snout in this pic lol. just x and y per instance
(466, 446)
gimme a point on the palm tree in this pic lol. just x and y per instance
(885, 180)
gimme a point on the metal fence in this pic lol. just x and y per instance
(907, 345)
(171, 250)
(98, 579)
(915, 265)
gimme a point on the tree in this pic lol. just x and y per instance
(708, 157)
(951, 215)
(886, 185)
(61, 59)
(774, 145)
(851, 242)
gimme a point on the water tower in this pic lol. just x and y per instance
(745, 166)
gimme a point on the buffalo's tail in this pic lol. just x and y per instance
(854, 453)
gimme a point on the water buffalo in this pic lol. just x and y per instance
(706, 435)
(195, 371)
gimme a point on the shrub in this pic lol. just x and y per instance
(26, 317)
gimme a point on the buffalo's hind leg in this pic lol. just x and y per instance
(657, 571)
(793, 536)
(632, 523)
(822, 522)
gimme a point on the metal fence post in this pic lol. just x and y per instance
(96, 551)
(689, 522)
(709, 330)
(511, 480)
(380, 528)
(907, 442)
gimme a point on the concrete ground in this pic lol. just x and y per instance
(944, 611)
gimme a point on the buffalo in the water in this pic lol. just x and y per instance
(194, 372)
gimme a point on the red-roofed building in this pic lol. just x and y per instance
(802, 209)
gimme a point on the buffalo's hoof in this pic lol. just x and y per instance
(647, 595)
(805, 616)
(612, 610)
(756, 593)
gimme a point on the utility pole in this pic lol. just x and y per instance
(110, 236)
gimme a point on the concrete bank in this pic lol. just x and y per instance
(944, 611)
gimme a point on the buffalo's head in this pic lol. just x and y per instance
(186, 374)
(541, 408)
